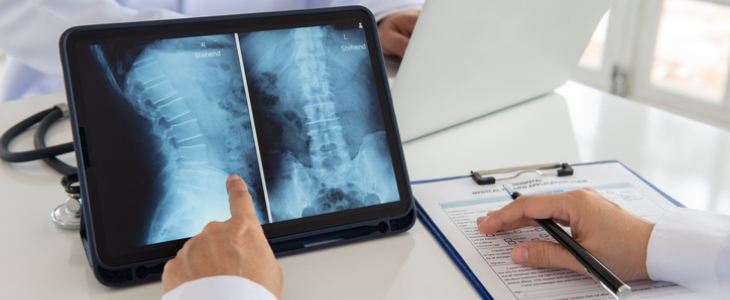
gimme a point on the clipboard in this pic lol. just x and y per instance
(490, 177)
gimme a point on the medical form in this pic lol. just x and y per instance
(451, 207)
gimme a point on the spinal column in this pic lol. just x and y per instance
(322, 143)
(185, 148)
(327, 147)
(198, 110)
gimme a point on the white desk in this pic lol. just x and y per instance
(688, 160)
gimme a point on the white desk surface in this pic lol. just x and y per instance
(688, 160)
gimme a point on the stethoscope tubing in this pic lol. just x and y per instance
(46, 118)
(39, 141)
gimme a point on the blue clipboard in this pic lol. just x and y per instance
(456, 257)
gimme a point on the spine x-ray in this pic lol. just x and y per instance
(319, 124)
(294, 112)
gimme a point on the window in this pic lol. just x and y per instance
(692, 49)
(593, 56)
(671, 53)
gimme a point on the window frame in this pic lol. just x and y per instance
(642, 86)
(630, 46)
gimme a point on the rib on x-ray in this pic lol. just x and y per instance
(192, 91)
(318, 121)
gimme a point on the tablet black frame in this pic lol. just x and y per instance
(285, 237)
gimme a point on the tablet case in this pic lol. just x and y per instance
(151, 270)
(454, 254)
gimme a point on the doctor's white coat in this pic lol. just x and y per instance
(30, 29)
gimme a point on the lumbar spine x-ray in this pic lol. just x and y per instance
(330, 151)
(316, 143)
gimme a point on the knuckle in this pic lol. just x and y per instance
(589, 190)
(580, 197)
(240, 226)
(540, 254)
(184, 248)
(581, 193)
(211, 228)
(247, 225)
(171, 266)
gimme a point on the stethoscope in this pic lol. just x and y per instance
(68, 214)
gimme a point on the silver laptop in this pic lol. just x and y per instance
(470, 58)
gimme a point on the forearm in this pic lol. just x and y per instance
(691, 248)
(30, 30)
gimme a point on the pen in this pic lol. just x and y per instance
(590, 263)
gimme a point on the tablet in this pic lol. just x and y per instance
(296, 103)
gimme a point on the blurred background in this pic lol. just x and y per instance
(2, 64)
(671, 54)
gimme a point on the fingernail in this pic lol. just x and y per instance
(519, 254)
(232, 178)
(481, 219)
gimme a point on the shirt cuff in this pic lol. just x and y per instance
(689, 247)
(219, 288)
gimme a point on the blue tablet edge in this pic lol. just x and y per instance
(454, 254)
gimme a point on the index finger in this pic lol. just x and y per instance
(524, 208)
(239, 197)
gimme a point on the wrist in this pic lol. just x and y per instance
(646, 231)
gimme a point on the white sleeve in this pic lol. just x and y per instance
(219, 288)
(30, 29)
(691, 248)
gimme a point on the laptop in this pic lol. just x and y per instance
(467, 59)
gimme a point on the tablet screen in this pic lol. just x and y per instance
(294, 111)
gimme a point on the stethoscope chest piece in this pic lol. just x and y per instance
(68, 214)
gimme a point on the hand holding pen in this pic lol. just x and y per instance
(613, 235)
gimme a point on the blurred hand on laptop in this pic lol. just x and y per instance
(395, 32)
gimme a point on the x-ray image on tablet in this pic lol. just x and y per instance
(190, 93)
(321, 135)
(308, 137)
